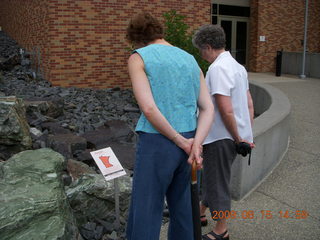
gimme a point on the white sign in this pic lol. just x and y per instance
(262, 38)
(108, 163)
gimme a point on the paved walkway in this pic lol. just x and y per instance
(294, 186)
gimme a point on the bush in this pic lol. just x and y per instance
(176, 32)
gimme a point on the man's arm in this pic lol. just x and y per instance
(224, 104)
(250, 107)
(225, 108)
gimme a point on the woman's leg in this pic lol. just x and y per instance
(179, 199)
(179, 203)
(153, 173)
(147, 196)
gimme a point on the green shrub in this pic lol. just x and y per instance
(176, 32)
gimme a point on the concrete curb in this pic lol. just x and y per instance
(271, 135)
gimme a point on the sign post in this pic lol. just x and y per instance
(117, 205)
(110, 168)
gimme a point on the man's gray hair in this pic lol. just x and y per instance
(212, 35)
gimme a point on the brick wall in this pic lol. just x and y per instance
(282, 23)
(88, 38)
(27, 23)
(314, 26)
(83, 42)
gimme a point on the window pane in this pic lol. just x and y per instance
(234, 10)
(214, 8)
(241, 42)
(214, 19)
(227, 26)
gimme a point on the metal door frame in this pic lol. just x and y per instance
(234, 21)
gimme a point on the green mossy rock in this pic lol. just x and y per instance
(33, 204)
(14, 129)
(92, 197)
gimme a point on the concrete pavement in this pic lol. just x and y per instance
(294, 186)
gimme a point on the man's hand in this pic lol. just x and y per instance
(252, 145)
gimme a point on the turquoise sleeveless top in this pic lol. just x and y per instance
(174, 78)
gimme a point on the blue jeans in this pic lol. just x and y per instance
(161, 170)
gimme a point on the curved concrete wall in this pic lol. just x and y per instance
(271, 136)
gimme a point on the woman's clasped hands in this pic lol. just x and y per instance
(192, 148)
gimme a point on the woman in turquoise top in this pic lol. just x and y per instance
(169, 88)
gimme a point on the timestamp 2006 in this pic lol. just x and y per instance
(261, 214)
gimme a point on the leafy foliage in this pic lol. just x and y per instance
(176, 32)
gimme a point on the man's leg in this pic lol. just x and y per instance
(203, 203)
(218, 159)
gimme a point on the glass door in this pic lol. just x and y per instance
(236, 37)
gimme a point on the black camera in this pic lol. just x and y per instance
(244, 149)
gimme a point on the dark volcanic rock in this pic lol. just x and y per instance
(84, 156)
(54, 128)
(51, 107)
(8, 46)
(76, 169)
(98, 138)
(90, 231)
(120, 130)
(9, 53)
(67, 144)
(125, 152)
(9, 63)
(112, 131)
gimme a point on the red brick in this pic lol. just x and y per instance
(82, 43)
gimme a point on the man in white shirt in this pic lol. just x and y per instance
(228, 85)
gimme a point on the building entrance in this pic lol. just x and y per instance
(234, 19)
(236, 37)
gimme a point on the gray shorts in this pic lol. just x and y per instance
(217, 160)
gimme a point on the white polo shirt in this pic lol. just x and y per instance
(227, 77)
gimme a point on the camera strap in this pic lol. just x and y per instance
(249, 160)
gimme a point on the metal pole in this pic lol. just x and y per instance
(117, 205)
(304, 41)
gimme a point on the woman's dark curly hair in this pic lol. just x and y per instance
(143, 29)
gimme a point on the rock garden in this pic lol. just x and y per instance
(50, 186)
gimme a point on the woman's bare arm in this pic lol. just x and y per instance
(205, 120)
(143, 95)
